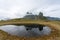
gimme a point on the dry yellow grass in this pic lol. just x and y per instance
(52, 24)
(55, 33)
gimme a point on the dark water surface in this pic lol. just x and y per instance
(21, 30)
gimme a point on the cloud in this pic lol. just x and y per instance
(18, 8)
(52, 10)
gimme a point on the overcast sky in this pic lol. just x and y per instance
(18, 8)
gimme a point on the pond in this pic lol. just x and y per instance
(21, 30)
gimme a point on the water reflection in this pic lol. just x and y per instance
(21, 31)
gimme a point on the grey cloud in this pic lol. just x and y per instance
(20, 7)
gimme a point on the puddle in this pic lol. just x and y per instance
(21, 31)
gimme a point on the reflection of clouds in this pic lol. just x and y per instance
(46, 31)
(21, 31)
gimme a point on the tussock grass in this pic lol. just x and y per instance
(55, 33)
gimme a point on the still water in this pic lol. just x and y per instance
(21, 30)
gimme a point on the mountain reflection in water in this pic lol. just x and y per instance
(21, 31)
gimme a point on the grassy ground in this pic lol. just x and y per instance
(55, 33)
